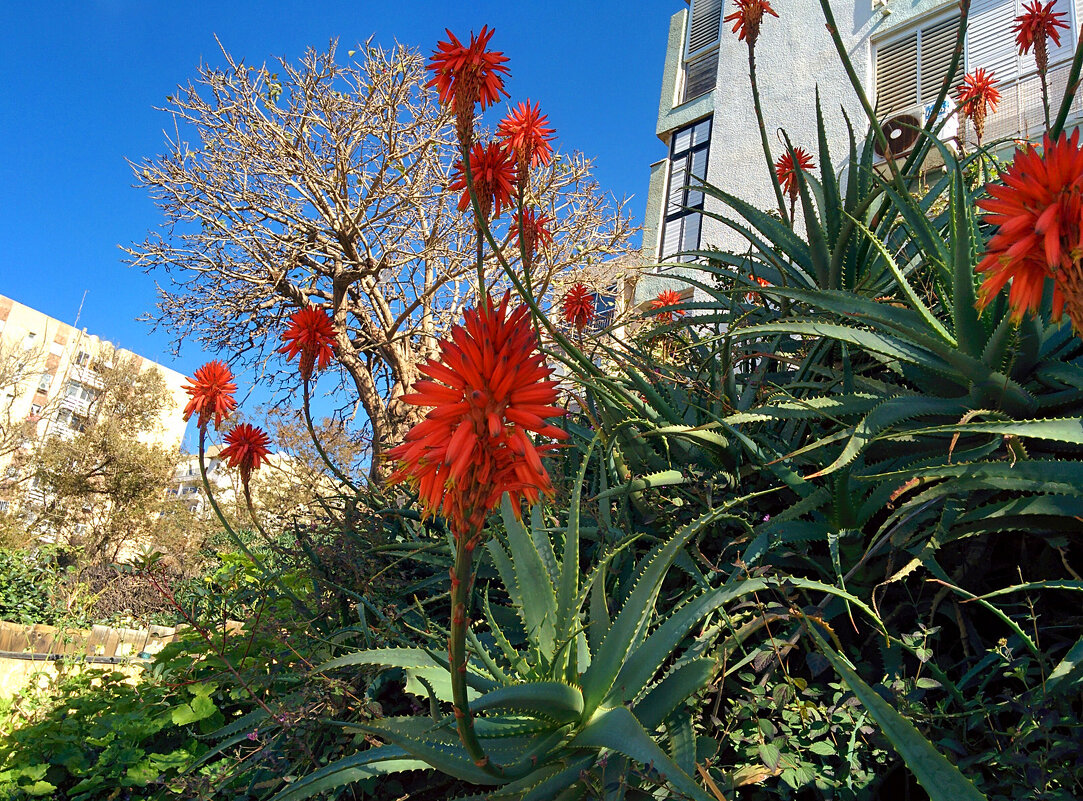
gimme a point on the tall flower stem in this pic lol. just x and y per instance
(763, 131)
(1045, 91)
(316, 441)
(462, 580)
(478, 217)
(233, 536)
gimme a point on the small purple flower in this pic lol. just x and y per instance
(253, 735)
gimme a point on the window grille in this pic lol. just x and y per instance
(991, 46)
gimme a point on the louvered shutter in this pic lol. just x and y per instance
(896, 75)
(704, 26)
(937, 45)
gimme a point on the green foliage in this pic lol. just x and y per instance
(97, 731)
(31, 587)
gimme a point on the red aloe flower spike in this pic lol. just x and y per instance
(310, 335)
(753, 296)
(579, 307)
(531, 232)
(211, 391)
(246, 448)
(1034, 26)
(667, 297)
(747, 18)
(466, 75)
(1038, 206)
(525, 133)
(784, 169)
(489, 389)
(493, 172)
(977, 98)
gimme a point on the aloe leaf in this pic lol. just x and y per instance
(1067, 429)
(968, 329)
(640, 666)
(437, 746)
(664, 478)
(618, 730)
(1068, 671)
(512, 656)
(380, 761)
(568, 587)
(887, 414)
(539, 602)
(682, 741)
(550, 699)
(539, 533)
(940, 779)
(665, 697)
(621, 636)
(564, 778)
(417, 663)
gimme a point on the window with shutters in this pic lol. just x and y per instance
(701, 49)
(991, 46)
(910, 69)
(689, 149)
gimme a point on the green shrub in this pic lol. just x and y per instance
(30, 587)
(99, 735)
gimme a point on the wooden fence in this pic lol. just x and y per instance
(98, 641)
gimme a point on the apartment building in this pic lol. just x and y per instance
(901, 51)
(48, 383)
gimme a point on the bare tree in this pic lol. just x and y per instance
(326, 183)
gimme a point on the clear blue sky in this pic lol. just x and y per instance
(81, 78)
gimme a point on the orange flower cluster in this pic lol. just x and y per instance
(211, 394)
(246, 448)
(1036, 24)
(747, 18)
(667, 297)
(493, 171)
(488, 391)
(754, 297)
(311, 336)
(579, 307)
(977, 97)
(1038, 205)
(471, 75)
(468, 75)
(784, 169)
(530, 232)
(527, 137)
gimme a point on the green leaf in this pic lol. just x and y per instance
(664, 478)
(1069, 671)
(618, 730)
(550, 699)
(539, 603)
(940, 779)
(379, 761)
(638, 607)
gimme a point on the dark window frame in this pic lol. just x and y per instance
(688, 207)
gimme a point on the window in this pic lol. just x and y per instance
(67, 417)
(701, 49)
(687, 166)
(45, 382)
(3, 506)
(28, 342)
(35, 410)
(80, 392)
(910, 70)
(82, 359)
(991, 46)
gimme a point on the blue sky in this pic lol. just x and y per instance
(81, 79)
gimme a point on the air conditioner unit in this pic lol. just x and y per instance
(902, 129)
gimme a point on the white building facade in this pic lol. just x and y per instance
(901, 50)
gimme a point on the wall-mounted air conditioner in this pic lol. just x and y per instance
(902, 129)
